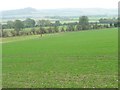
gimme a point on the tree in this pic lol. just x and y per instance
(29, 23)
(6, 33)
(33, 31)
(47, 23)
(70, 28)
(78, 27)
(56, 29)
(10, 24)
(4, 26)
(95, 26)
(43, 23)
(116, 24)
(62, 30)
(111, 25)
(18, 25)
(84, 22)
(13, 33)
(42, 31)
(57, 23)
(49, 30)
(106, 26)
(107, 21)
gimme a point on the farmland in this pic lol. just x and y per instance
(81, 59)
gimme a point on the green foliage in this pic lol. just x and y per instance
(6, 34)
(33, 30)
(14, 33)
(107, 21)
(50, 30)
(70, 28)
(62, 30)
(57, 23)
(55, 29)
(43, 23)
(45, 26)
(42, 30)
(18, 25)
(78, 27)
(29, 23)
(84, 22)
(4, 26)
(10, 24)
(95, 26)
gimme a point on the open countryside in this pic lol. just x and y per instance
(71, 59)
(60, 48)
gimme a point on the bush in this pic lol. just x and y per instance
(6, 34)
(14, 33)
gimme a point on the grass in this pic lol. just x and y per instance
(66, 60)
(18, 38)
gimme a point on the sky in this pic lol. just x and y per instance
(52, 4)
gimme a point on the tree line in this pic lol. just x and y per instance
(46, 26)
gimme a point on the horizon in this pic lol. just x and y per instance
(54, 8)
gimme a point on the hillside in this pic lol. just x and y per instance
(31, 12)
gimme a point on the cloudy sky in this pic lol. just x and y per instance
(51, 4)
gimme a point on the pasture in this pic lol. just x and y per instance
(82, 59)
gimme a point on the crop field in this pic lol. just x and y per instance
(82, 59)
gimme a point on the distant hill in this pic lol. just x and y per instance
(19, 11)
(31, 12)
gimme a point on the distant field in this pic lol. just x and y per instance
(72, 19)
(65, 60)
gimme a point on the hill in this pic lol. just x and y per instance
(32, 12)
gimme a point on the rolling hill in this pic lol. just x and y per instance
(32, 12)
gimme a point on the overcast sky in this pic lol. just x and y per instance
(51, 4)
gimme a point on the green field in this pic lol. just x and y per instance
(85, 59)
